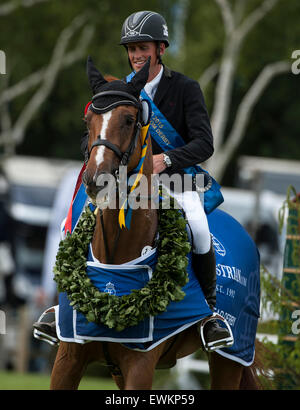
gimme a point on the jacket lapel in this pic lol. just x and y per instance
(163, 85)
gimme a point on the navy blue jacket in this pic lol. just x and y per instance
(181, 101)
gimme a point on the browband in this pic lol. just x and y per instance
(131, 100)
(114, 92)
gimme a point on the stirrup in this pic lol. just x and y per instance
(40, 335)
(225, 342)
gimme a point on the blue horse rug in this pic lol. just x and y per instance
(120, 280)
(238, 284)
(238, 296)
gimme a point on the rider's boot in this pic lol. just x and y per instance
(48, 328)
(204, 266)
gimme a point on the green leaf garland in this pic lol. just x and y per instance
(166, 284)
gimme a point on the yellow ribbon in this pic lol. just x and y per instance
(144, 132)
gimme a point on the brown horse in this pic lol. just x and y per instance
(112, 133)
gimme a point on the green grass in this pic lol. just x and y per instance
(38, 381)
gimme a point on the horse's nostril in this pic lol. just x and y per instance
(103, 180)
(90, 184)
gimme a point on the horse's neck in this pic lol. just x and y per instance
(118, 245)
(111, 244)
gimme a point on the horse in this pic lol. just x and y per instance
(115, 138)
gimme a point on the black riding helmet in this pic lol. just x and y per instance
(144, 26)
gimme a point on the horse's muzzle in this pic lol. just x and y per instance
(99, 185)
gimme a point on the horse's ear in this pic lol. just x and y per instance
(96, 79)
(140, 79)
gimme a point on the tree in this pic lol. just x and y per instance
(10, 6)
(13, 131)
(237, 27)
(282, 298)
(219, 39)
(60, 94)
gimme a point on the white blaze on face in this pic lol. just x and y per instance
(100, 150)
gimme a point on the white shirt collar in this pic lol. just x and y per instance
(151, 87)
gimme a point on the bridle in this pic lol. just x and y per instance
(130, 100)
(123, 156)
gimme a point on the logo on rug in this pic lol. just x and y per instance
(110, 288)
(146, 250)
(219, 248)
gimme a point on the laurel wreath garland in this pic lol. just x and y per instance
(166, 284)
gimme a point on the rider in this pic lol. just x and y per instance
(179, 98)
(145, 34)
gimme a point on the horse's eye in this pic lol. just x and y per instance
(129, 120)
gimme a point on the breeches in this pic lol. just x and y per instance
(190, 202)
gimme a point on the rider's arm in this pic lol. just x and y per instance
(197, 130)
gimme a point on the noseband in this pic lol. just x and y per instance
(130, 100)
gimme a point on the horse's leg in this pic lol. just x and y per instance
(119, 380)
(225, 374)
(69, 366)
(138, 374)
(250, 380)
(138, 368)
